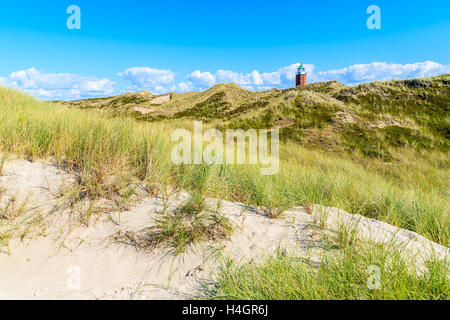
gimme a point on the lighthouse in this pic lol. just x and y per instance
(300, 79)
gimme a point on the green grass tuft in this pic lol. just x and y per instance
(350, 275)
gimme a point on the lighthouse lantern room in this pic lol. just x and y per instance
(300, 79)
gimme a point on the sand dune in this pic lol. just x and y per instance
(50, 254)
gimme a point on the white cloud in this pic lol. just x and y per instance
(201, 80)
(154, 80)
(358, 73)
(195, 81)
(182, 87)
(249, 80)
(53, 86)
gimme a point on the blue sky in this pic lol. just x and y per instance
(163, 46)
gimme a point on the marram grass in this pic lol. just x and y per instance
(365, 272)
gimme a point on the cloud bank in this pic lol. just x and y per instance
(72, 86)
(383, 71)
(285, 77)
(53, 86)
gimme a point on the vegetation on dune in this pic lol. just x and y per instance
(367, 120)
(186, 225)
(352, 275)
(384, 173)
(211, 108)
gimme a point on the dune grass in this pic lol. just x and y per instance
(363, 272)
(188, 224)
(411, 193)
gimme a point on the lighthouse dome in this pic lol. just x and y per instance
(301, 69)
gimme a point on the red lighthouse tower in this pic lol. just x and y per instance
(300, 79)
